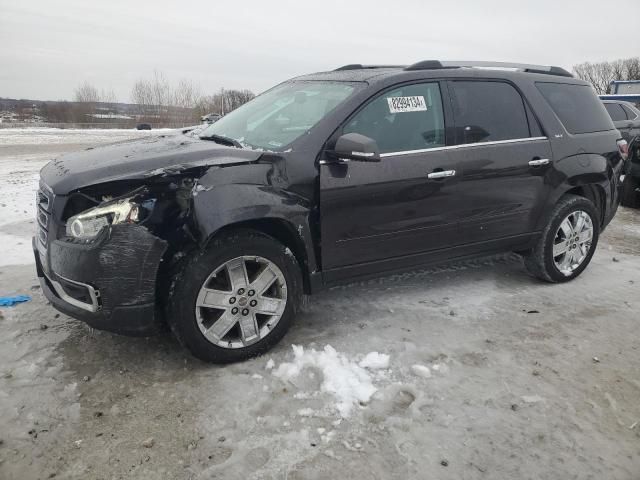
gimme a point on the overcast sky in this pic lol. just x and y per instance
(48, 47)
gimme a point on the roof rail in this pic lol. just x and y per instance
(524, 67)
(359, 66)
(425, 65)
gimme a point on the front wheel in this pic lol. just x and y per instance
(236, 299)
(567, 243)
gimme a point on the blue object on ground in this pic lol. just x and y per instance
(11, 301)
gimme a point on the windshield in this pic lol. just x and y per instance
(276, 118)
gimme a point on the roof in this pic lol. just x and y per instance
(363, 75)
(435, 68)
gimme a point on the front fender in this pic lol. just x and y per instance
(217, 207)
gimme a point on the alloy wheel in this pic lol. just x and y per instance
(572, 242)
(241, 302)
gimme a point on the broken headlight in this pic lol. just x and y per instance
(88, 224)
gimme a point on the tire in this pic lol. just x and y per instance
(540, 261)
(630, 198)
(223, 257)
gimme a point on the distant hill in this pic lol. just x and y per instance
(18, 112)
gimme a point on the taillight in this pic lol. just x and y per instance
(623, 148)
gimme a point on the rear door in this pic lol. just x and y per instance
(378, 211)
(503, 156)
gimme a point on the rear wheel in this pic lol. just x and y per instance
(567, 243)
(236, 299)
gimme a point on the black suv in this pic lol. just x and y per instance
(626, 118)
(324, 179)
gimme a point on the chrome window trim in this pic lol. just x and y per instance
(464, 145)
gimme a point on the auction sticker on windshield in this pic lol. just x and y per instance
(407, 104)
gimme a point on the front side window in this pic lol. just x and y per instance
(403, 119)
(488, 111)
(276, 118)
(615, 111)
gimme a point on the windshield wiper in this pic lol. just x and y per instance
(222, 140)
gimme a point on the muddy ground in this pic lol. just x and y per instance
(531, 381)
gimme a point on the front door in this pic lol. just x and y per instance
(389, 209)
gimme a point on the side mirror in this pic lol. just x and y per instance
(356, 147)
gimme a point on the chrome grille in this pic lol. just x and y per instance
(44, 204)
(43, 198)
(43, 219)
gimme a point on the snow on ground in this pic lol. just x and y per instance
(19, 175)
(468, 370)
(18, 185)
(49, 136)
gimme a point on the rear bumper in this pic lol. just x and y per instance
(109, 284)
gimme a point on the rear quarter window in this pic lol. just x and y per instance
(577, 107)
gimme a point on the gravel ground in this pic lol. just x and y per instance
(525, 380)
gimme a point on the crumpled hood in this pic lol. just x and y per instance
(136, 159)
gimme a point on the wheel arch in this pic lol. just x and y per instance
(593, 192)
(277, 212)
(281, 230)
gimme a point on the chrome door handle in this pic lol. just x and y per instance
(539, 161)
(442, 174)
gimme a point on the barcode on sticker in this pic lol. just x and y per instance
(407, 104)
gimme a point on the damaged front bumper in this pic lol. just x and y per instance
(110, 283)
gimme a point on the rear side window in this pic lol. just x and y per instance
(577, 107)
(615, 111)
(403, 119)
(488, 111)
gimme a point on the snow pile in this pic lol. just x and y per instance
(375, 361)
(348, 382)
(421, 371)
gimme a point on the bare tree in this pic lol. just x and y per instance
(162, 102)
(209, 104)
(632, 68)
(108, 96)
(86, 96)
(86, 93)
(161, 92)
(597, 74)
(142, 95)
(601, 74)
(224, 101)
(185, 97)
(235, 98)
(185, 94)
